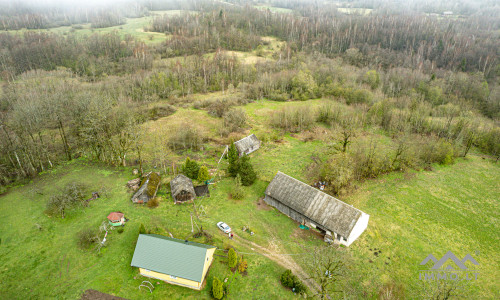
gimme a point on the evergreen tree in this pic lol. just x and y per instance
(237, 192)
(246, 171)
(234, 164)
(203, 174)
(142, 230)
(191, 168)
(232, 258)
(217, 289)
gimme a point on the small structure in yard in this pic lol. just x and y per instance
(339, 221)
(182, 189)
(116, 219)
(247, 145)
(175, 261)
(202, 190)
(149, 188)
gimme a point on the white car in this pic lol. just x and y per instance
(224, 227)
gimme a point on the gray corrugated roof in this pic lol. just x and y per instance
(320, 207)
(181, 183)
(170, 256)
(247, 143)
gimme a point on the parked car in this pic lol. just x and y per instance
(224, 227)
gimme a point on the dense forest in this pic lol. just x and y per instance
(429, 81)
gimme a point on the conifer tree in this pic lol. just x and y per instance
(246, 171)
(203, 174)
(234, 164)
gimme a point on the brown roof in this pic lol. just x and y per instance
(115, 216)
(318, 206)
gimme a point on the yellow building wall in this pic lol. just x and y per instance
(182, 281)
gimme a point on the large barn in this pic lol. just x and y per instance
(247, 145)
(182, 189)
(339, 221)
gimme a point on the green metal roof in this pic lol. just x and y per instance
(170, 256)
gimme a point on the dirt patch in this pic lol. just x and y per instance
(262, 205)
(96, 295)
(305, 234)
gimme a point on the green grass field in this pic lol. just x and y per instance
(452, 208)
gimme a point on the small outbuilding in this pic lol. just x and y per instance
(182, 189)
(339, 221)
(175, 261)
(247, 145)
(148, 189)
(116, 219)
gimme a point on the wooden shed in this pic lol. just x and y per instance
(339, 221)
(182, 189)
(247, 145)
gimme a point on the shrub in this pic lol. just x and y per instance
(203, 174)
(293, 119)
(217, 289)
(142, 229)
(153, 202)
(88, 237)
(69, 197)
(289, 280)
(158, 111)
(219, 107)
(234, 119)
(232, 258)
(237, 192)
(338, 171)
(248, 175)
(371, 78)
(185, 137)
(243, 266)
(191, 168)
(359, 96)
(120, 230)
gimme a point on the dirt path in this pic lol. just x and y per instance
(284, 260)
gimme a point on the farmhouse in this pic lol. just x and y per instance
(182, 189)
(305, 204)
(247, 145)
(148, 189)
(174, 261)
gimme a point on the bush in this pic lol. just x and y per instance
(219, 107)
(69, 197)
(88, 237)
(234, 119)
(243, 266)
(120, 230)
(153, 202)
(185, 137)
(338, 171)
(142, 229)
(289, 280)
(293, 119)
(203, 174)
(158, 111)
(232, 258)
(190, 168)
(217, 289)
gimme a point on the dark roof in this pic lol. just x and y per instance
(246, 144)
(320, 207)
(170, 256)
(181, 183)
(202, 190)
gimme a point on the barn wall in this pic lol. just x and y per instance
(173, 280)
(358, 229)
(292, 213)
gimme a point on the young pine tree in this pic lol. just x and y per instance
(232, 258)
(246, 171)
(217, 289)
(234, 161)
(203, 174)
(191, 168)
(237, 192)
